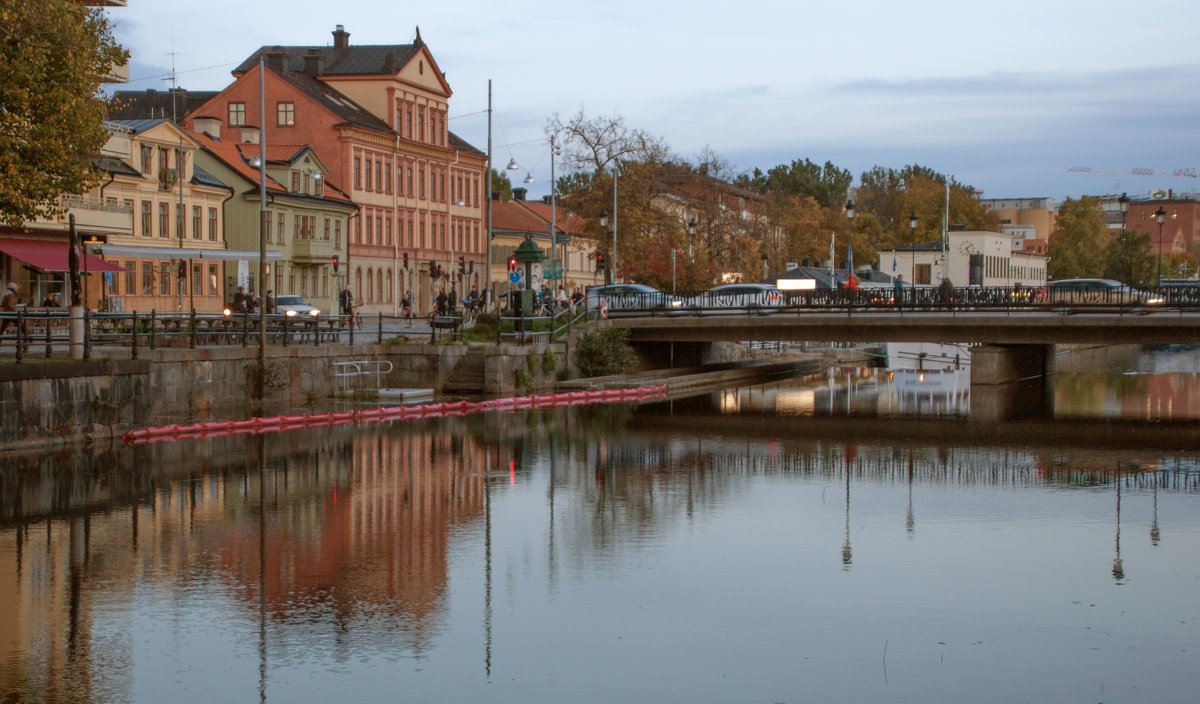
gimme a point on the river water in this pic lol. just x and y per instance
(852, 538)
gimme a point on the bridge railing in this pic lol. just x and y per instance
(910, 300)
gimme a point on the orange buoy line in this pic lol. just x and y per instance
(276, 424)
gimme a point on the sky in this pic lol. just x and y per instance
(1004, 97)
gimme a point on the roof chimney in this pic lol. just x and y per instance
(519, 193)
(341, 38)
(314, 63)
(249, 134)
(207, 124)
(277, 59)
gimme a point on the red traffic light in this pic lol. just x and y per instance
(335, 263)
(512, 262)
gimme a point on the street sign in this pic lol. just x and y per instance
(560, 238)
(514, 276)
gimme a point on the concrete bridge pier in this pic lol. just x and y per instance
(1012, 381)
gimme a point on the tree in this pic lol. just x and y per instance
(1080, 245)
(1131, 261)
(894, 196)
(56, 53)
(596, 144)
(501, 184)
(827, 184)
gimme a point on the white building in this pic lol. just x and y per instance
(972, 257)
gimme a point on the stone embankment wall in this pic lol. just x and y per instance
(44, 403)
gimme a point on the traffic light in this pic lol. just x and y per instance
(441, 271)
(182, 270)
(406, 260)
(335, 264)
(512, 262)
(462, 266)
(599, 261)
(433, 270)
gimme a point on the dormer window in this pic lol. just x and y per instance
(237, 114)
(296, 182)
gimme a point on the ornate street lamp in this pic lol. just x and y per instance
(912, 225)
(851, 213)
(1161, 216)
(603, 232)
(1123, 203)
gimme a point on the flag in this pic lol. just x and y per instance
(893, 263)
(831, 236)
(849, 257)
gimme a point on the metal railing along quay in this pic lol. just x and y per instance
(46, 330)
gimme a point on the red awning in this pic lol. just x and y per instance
(51, 255)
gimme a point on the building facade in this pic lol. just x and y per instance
(971, 258)
(377, 117)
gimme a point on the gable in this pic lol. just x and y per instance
(422, 72)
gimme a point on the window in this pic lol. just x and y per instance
(130, 278)
(421, 126)
(237, 114)
(368, 174)
(924, 273)
(421, 182)
(197, 221)
(326, 229)
(147, 219)
(295, 182)
(164, 220)
(379, 174)
(212, 224)
(147, 278)
(164, 278)
(197, 279)
(370, 230)
(337, 234)
(379, 227)
(147, 159)
(295, 227)
(164, 158)
(388, 241)
(285, 114)
(410, 182)
(358, 172)
(308, 184)
(279, 230)
(387, 169)
(212, 279)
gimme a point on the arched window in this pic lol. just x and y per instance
(379, 285)
(391, 289)
(370, 282)
(358, 283)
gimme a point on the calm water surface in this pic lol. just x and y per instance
(728, 548)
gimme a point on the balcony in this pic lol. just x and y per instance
(312, 250)
(91, 216)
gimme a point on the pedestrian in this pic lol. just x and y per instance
(406, 305)
(440, 301)
(251, 301)
(346, 302)
(8, 307)
(239, 300)
(946, 290)
(898, 285)
(560, 299)
(51, 301)
(270, 302)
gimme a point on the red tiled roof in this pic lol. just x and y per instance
(278, 153)
(237, 157)
(568, 221)
(512, 216)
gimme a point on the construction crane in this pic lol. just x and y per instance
(1181, 173)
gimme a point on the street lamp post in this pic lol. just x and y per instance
(1161, 216)
(691, 227)
(1123, 202)
(913, 220)
(603, 232)
(851, 213)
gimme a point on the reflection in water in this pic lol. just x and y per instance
(598, 540)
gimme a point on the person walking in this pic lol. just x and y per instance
(8, 306)
(270, 302)
(898, 285)
(406, 307)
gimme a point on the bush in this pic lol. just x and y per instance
(605, 352)
(549, 361)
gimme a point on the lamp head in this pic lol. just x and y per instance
(851, 209)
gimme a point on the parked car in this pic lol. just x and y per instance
(739, 296)
(293, 306)
(631, 298)
(1097, 292)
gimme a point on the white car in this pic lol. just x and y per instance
(631, 298)
(739, 296)
(294, 306)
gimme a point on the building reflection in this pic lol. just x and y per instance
(341, 538)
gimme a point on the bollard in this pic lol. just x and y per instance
(47, 336)
(20, 327)
(135, 335)
(153, 328)
(75, 330)
(285, 331)
(380, 340)
(192, 337)
(351, 319)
